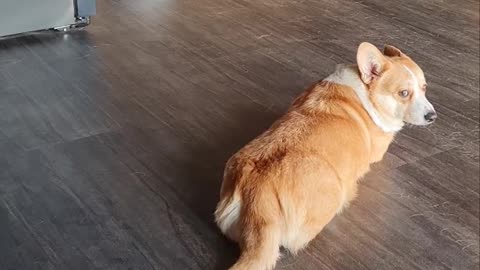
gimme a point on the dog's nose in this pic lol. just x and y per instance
(430, 116)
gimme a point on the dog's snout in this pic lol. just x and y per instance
(430, 116)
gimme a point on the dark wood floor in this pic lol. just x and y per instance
(113, 139)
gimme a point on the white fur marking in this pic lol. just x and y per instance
(420, 105)
(344, 202)
(229, 215)
(347, 75)
(415, 81)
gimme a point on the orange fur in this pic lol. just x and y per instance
(282, 188)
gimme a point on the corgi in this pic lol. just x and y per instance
(282, 188)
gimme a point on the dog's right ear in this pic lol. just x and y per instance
(392, 51)
(371, 62)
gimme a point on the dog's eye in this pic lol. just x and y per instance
(404, 93)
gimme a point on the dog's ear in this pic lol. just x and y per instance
(392, 51)
(371, 62)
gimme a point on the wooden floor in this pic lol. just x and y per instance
(113, 139)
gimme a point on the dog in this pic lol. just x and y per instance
(282, 188)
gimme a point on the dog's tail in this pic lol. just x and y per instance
(260, 249)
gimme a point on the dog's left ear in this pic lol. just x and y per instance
(371, 62)
(392, 51)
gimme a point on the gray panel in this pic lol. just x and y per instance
(18, 16)
(86, 8)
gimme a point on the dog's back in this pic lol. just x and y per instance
(270, 194)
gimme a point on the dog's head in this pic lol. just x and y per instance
(396, 85)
